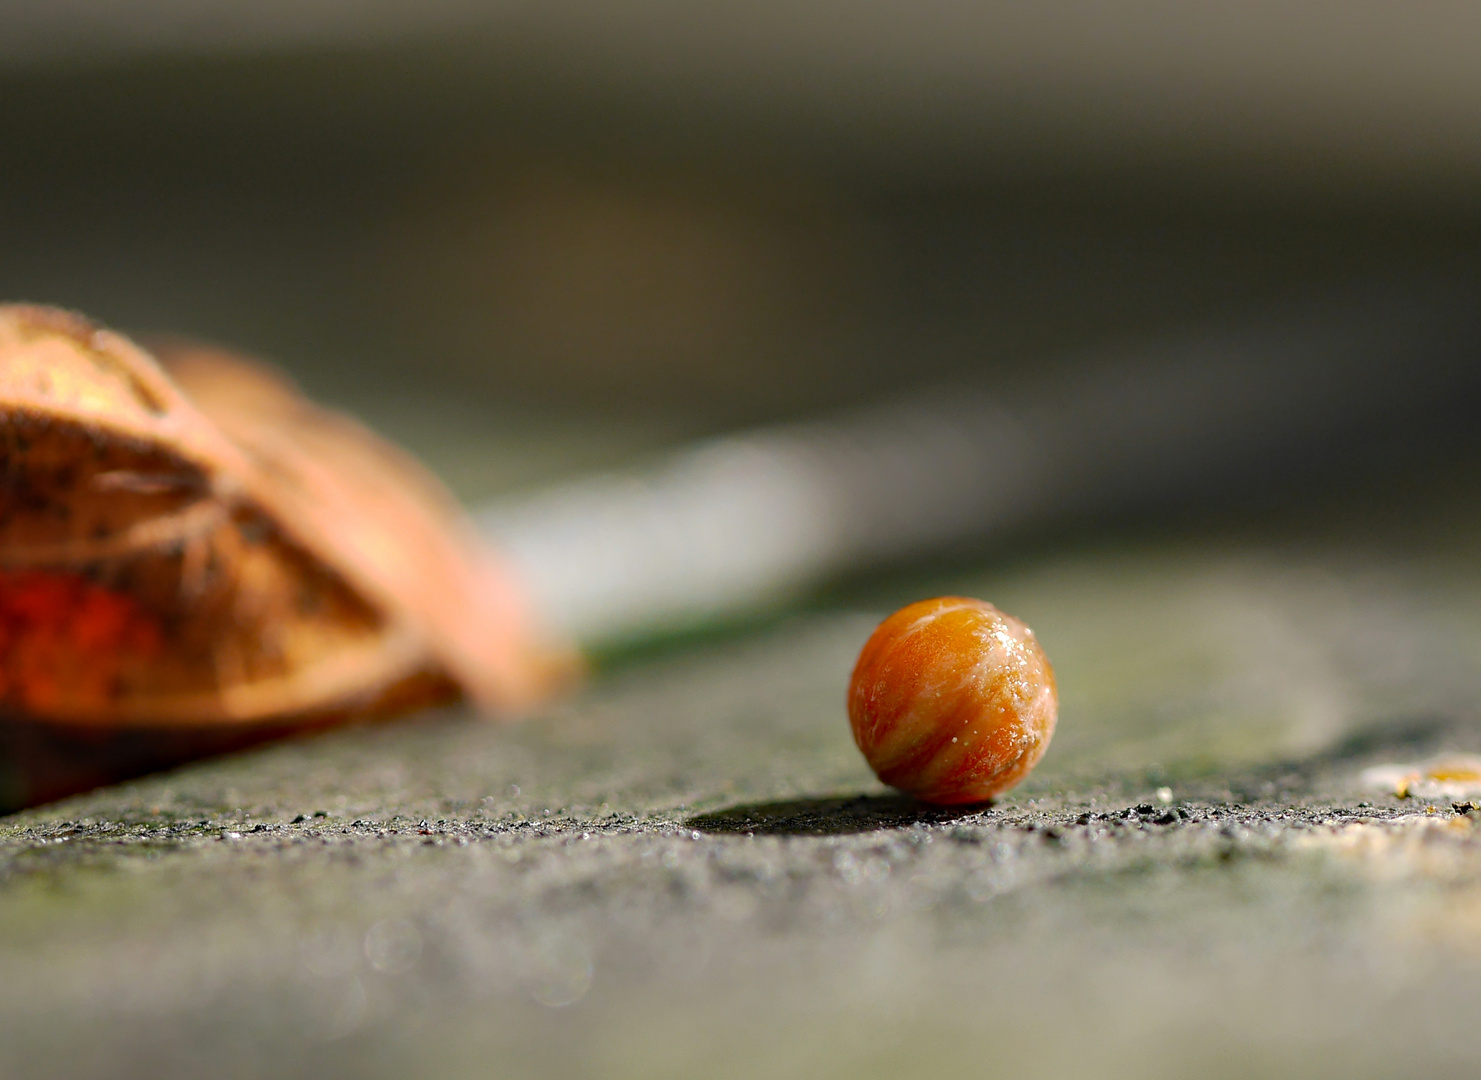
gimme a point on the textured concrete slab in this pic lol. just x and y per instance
(688, 870)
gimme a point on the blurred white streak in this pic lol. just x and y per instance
(736, 525)
(740, 523)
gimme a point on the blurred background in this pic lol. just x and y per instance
(532, 238)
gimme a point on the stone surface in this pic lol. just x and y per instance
(687, 870)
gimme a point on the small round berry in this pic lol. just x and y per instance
(952, 701)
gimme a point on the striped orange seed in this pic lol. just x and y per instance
(952, 700)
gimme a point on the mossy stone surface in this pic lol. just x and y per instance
(688, 870)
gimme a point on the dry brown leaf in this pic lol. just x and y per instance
(194, 556)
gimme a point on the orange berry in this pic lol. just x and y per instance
(952, 701)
